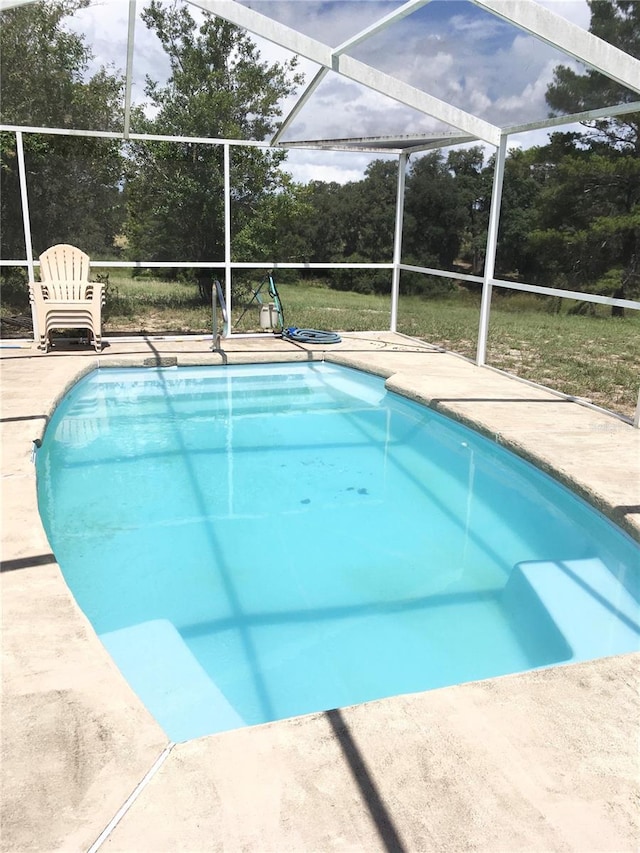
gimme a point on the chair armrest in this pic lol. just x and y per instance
(35, 292)
(94, 290)
(67, 291)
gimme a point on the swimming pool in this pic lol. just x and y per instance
(256, 542)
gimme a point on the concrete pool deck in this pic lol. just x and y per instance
(547, 760)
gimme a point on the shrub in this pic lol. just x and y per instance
(360, 281)
(421, 284)
(15, 289)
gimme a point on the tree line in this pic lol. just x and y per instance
(570, 212)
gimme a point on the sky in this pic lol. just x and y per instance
(449, 48)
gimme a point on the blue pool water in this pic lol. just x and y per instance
(256, 542)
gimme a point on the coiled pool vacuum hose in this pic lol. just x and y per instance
(310, 336)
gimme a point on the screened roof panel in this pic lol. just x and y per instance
(330, 21)
(468, 57)
(445, 65)
(452, 49)
(342, 108)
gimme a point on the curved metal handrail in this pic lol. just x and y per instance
(217, 297)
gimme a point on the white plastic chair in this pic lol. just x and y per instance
(65, 298)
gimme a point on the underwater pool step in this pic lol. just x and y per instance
(285, 388)
(210, 405)
(209, 413)
(156, 661)
(588, 604)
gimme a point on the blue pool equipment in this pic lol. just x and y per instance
(310, 336)
(272, 317)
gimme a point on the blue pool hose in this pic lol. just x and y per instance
(310, 336)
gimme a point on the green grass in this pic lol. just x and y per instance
(313, 307)
(594, 357)
(597, 358)
(143, 304)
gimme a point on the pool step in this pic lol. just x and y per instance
(159, 666)
(246, 394)
(588, 604)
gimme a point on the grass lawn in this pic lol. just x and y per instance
(595, 357)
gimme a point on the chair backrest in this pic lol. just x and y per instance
(64, 263)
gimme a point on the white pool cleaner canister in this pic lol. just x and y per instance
(268, 316)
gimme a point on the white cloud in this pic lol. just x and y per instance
(330, 22)
(479, 102)
(575, 11)
(305, 166)
(487, 27)
(531, 98)
(342, 109)
(104, 25)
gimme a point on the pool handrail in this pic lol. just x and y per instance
(217, 296)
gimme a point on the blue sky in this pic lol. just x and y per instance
(450, 48)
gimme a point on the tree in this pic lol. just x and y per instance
(523, 181)
(434, 217)
(617, 22)
(473, 188)
(364, 214)
(219, 88)
(372, 218)
(589, 221)
(274, 232)
(603, 235)
(73, 182)
(324, 228)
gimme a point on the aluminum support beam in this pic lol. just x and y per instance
(302, 100)
(26, 224)
(142, 137)
(227, 239)
(350, 68)
(381, 24)
(24, 198)
(490, 254)
(397, 242)
(567, 294)
(574, 118)
(567, 37)
(129, 72)
(431, 146)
